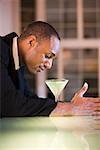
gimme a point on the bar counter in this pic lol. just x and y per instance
(50, 133)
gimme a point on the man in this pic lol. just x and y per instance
(36, 47)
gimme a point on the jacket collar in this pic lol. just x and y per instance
(15, 53)
(9, 38)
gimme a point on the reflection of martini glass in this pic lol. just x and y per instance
(56, 86)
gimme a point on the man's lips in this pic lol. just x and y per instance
(40, 68)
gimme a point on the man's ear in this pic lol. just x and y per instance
(32, 40)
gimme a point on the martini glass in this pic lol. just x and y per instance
(56, 86)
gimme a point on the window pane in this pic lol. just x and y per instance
(27, 16)
(63, 17)
(80, 66)
(70, 3)
(27, 12)
(89, 3)
(52, 3)
(91, 18)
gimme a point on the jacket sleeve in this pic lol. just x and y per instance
(15, 103)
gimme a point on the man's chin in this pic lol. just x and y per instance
(32, 71)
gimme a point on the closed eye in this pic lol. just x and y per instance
(50, 56)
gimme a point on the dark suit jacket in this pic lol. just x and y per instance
(15, 97)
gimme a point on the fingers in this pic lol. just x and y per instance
(88, 108)
(83, 90)
(95, 106)
(96, 109)
(94, 100)
(82, 112)
(96, 113)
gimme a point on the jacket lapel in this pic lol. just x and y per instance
(20, 74)
(17, 76)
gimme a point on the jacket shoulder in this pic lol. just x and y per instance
(8, 38)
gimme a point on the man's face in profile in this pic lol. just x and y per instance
(41, 55)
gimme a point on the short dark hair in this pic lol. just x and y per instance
(40, 29)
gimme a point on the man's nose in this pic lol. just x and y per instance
(48, 63)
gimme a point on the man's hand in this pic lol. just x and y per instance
(79, 105)
(85, 105)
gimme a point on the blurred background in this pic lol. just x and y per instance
(78, 23)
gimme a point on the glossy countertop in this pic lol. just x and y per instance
(50, 133)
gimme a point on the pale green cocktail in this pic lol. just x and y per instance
(56, 86)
